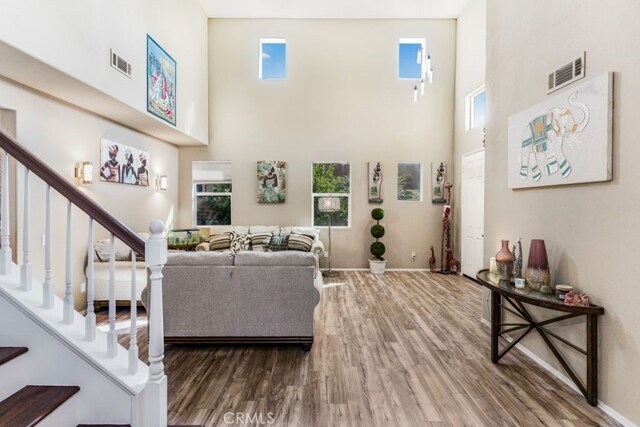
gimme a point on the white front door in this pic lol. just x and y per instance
(472, 213)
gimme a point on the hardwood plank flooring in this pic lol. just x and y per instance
(402, 349)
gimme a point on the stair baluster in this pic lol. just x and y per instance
(25, 270)
(112, 337)
(47, 286)
(133, 342)
(90, 319)
(5, 252)
(156, 257)
(68, 308)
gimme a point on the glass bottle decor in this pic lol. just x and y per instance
(537, 273)
(517, 259)
(504, 260)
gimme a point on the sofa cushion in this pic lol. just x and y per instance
(200, 258)
(273, 229)
(287, 258)
(279, 243)
(307, 231)
(220, 241)
(300, 242)
(260, 241)
(102, 249)
(219, 229)
(240, 242)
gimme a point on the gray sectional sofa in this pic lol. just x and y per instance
(245, 297)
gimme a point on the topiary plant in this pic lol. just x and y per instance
(377, 231)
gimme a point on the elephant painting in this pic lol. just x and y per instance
(546, 134)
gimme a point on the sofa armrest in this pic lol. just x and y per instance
(203, 247)
(317, 248)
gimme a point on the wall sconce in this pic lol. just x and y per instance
(84, 172)
(161, 183)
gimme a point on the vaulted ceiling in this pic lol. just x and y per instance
(334, 9)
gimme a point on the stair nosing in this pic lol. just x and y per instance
(11, 407)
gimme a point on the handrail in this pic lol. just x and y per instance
(68, 190)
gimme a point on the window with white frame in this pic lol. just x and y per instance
(212, 193)
(411, 58)
(273, 59)
(475, 109)
(410, 181)
(331, 179)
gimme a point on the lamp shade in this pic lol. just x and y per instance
(329, 204)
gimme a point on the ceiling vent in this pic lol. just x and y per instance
(567, 74)
(120, 64)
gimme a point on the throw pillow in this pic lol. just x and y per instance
(220, 241)
(260, 240)
(103, 250)
(300, 242)
(279, 243)
(240, 242)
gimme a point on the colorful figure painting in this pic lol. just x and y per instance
(161, 82)
(122, 164)
(564, 140)
(271, 181)
(438, 181)
(375, 182)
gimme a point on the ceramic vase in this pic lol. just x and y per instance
(504, 260)
(537, 274)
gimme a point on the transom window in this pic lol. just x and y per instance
(475, 104)
(332, 179)
(273, 59)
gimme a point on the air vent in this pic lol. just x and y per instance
(566, 74)
(120, 64)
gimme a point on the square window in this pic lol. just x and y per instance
(212, 192)
(332, 179)
(411, 58)
(273, 59)
(410, 181)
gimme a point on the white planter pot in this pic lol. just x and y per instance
(376, 266)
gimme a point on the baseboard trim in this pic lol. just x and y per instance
(386, 269)
(565, 379)
(239, 340)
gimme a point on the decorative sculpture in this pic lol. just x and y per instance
(432, 261)
(445, 241)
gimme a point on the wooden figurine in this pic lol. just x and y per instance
(432, 261)
(453, 263)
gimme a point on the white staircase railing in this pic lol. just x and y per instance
(154, 406)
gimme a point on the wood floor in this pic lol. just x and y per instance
(403, 349)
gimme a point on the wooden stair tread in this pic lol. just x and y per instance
(9, 353)
(31, 404)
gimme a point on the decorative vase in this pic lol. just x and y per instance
(517, 255)
(504, 260)
(537, 274)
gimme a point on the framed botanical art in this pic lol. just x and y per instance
(564, 140)
(122, 164)
(161, 82)
(271, 176)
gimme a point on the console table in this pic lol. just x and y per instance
(502, 290)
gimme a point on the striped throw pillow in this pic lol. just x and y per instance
(260, 241)
(220, 241)
(300, 242)
(279, 243)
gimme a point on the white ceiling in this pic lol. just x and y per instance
(334, 9)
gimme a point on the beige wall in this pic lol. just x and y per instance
(591, 231)
(470, 70)
(62, 135)
(341, 101)
(75, 36)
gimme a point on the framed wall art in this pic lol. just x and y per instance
(564, 140)
(122, 164)
(161, 82)
(271, 181)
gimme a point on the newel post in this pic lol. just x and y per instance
(156, 388)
